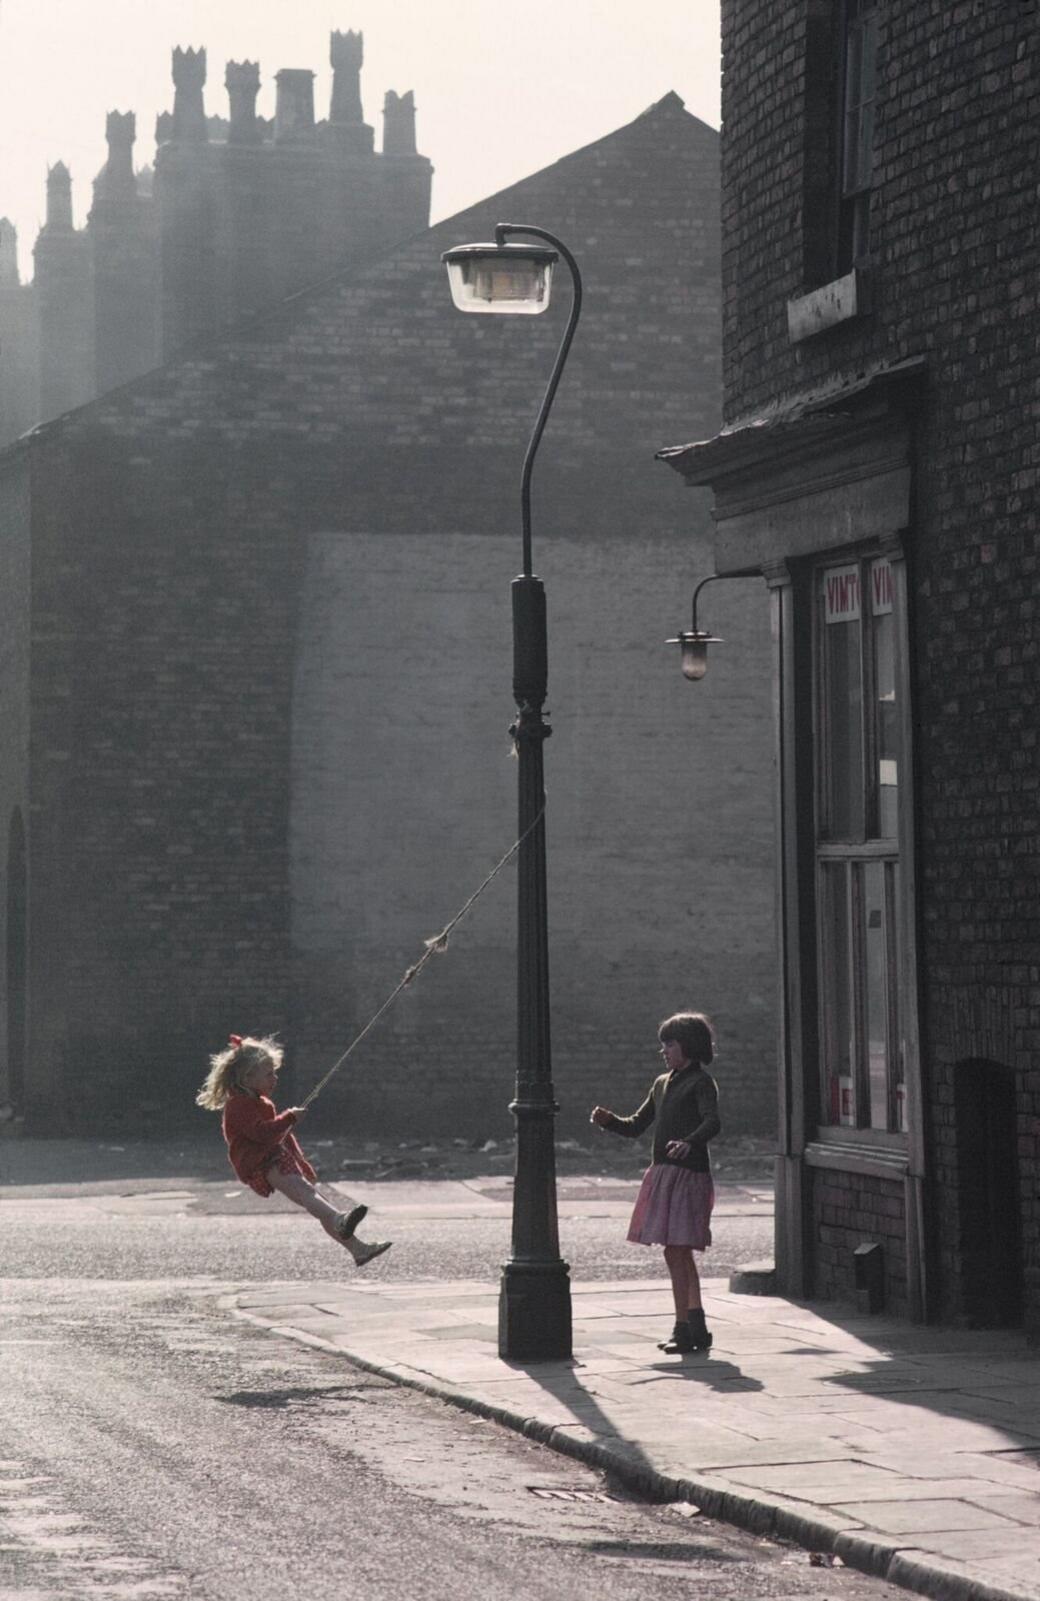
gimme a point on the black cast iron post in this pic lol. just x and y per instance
(534, 1308)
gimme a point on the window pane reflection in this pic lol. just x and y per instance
(838, 1044)
(876, 990)
(886, 726)
(842, 705)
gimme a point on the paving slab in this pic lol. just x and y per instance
(912, 1453)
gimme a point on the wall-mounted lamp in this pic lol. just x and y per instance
(693, 643)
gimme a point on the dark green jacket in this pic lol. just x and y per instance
(682, 1106)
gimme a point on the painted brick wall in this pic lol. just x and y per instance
(955, 243)
(404, 796)
(278, 678)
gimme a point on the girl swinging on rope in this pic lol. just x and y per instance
(262, 1149)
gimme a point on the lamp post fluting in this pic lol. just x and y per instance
(534, 1309)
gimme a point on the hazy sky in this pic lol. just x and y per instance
(501, 90)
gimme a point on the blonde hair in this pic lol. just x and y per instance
(229, 1068)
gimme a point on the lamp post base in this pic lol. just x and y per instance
(534, 1312)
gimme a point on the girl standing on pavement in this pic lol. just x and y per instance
(676, 1197)
(261, 1146)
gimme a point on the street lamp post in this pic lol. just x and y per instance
(534, 1308)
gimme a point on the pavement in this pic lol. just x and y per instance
(909, 1452)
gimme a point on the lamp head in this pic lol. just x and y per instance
(510, 279)
(693, 648)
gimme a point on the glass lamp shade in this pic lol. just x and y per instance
(693, 650)
(514, 280)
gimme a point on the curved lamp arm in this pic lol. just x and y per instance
(693, 645)
(712, 578)
(502, 232)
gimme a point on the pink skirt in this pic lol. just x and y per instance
(673, 1207)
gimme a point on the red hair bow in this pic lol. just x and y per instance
(235, 1040)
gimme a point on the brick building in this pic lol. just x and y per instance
(879, 466)
(236, 212)
(257, 688)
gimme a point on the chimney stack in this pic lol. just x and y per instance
(346, 53)
(242, 81)
(294, 107)
(8, 254)
(347, 129)
(399, 124)
(59, 199)
(116, 181)
(189, 113)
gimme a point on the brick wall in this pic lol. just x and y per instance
(404, 796)
(955, 247)
(277, 679)
(849, 1210)
(64, 290)
(19, 373)
(14, 698)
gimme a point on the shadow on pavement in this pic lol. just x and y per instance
(561, 1381)
(977, 1377)
(712, 1373)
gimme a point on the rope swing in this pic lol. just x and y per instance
(435, 946)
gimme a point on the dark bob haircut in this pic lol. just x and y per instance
(693, 1031)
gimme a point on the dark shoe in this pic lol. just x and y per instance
(680, 1342)
(348, 1223)
(699, 1335)
(370, 1252)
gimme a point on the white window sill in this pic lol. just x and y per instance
(867, 1152)
(826, 307)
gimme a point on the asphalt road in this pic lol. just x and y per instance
(154, 1449)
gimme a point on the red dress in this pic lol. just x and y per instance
(258, 1137)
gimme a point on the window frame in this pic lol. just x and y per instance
(836, 224)
(853, 142)
(852, 854)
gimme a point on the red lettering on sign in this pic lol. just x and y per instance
(884, 589)
(843, 594)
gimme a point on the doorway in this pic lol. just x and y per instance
(991, 1230)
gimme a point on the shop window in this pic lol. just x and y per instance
(857, 852)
